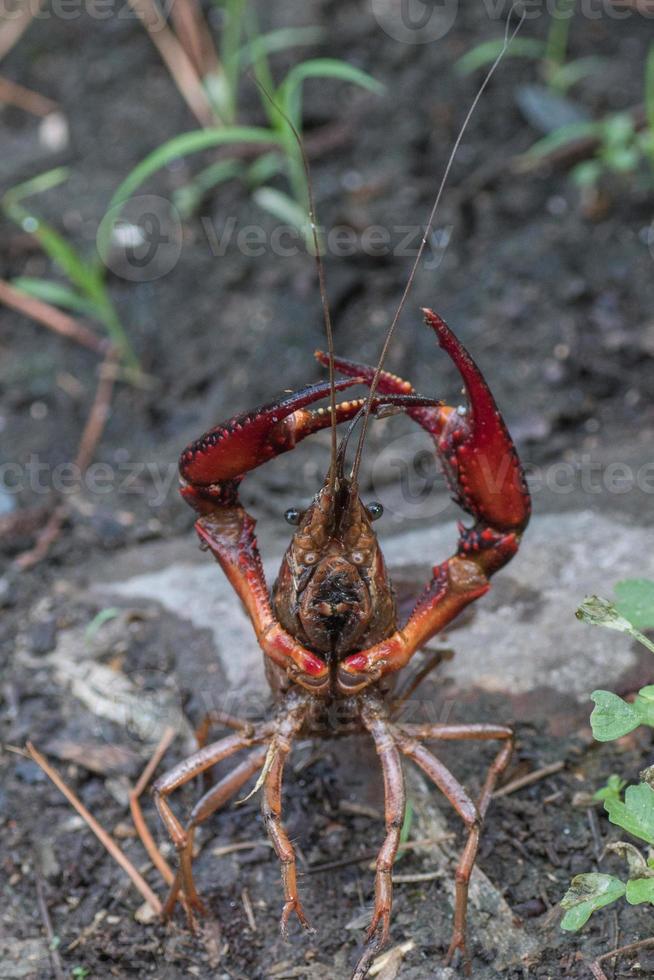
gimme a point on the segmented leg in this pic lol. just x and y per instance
(182, 837)
(272, 814)
(394, 807)
(220, 719)
(472, 814)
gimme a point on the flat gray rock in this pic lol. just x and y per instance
(519, 638)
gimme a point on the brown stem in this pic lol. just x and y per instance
(51, 317)
(105, 839)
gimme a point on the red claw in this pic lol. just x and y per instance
(477, 451)
(475, 448)
(245, 441)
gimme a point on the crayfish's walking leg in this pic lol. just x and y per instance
(186, 770)
(471, 814)
(394, 807)
(271, 808)
(220, 719)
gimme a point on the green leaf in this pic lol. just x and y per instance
(485, 54)
(612, 717)
(562, 137)
(280, 40)
(263, 168)
(635, 601)
(649, 97)
(565, 76)
(636, 814)
(640, 890)
(283, 207)
(36, 185)
(289, 92)
(179, 146)
(644, 705)
(587, 893)
(88, 276)
(623, 160)
(611, 789)
(189, 197)
(618, 129)
(587, 173)
(55, 293)
(405, 832)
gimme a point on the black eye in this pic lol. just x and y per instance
(292, 515)
(375, 510)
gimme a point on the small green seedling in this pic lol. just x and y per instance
(85, 291)
(612, 718)
(275, 153)
(550, 54)
(621, 146)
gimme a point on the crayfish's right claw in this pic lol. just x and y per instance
(212, 467)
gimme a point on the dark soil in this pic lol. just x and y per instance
(555, 302)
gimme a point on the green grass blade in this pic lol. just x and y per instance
(649, 99)
(280, 40)
(561, 137)
(558, 33)
(56, 247)
(565, 76)
(187, 199)
(55, 293)
(290, 91)
(185, 145)
(283, 207)
(486, 53)
(180, 146)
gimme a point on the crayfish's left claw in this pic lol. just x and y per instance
(476, 449)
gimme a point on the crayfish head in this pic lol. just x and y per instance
(333, 592)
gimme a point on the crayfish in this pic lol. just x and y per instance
(329, 631)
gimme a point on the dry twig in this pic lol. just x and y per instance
(176, 59)
(595, 967)
(11, 93)
(529, 778)
(142, 828)
(90, 437)
(195, 37)
(12, 29)
(51, 317)
(53, 952)
(105, 839)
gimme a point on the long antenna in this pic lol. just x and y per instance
(387, 340)
(321, 278)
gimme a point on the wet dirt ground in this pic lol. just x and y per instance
(556, 305)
